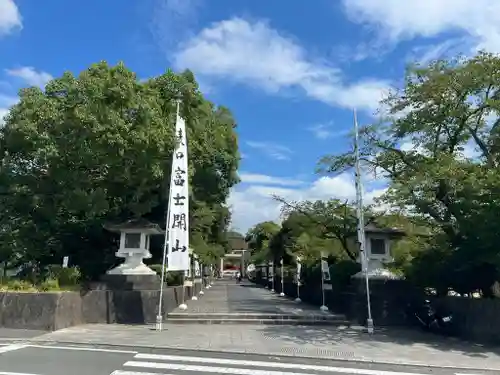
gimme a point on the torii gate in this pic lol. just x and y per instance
(236, 254)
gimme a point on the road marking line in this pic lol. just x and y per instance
(82, 348)
(15, 373)
(249, 371)
(459, 373)
(13, 347)
(279, 365)
(119, 372)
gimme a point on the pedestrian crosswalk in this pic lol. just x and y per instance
(157, 364)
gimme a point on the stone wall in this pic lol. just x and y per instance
(475, 319)
(52, 311)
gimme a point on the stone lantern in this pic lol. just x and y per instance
(378, 251)
(135, 237)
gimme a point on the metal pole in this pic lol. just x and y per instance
(282, 294)
(322, 289)
(298, 280)
(272, 270)
(183, 305)
(361, 224)
(159, 317)
(203, 281)
(192, 264)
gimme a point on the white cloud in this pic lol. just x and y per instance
(3, 113)
(325, 131)
(10, 18)
(322, 131)
(273, 150)
(257, 55)
(5, 103)
(470, 149)
(399, 20)
(253, 178)
(426, 54)
(29, 75)
(254, 203)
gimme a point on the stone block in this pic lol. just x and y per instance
(39, 311)
(53, 311)
(131, 282)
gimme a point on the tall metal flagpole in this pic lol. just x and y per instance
(361, 222)
(159, 317)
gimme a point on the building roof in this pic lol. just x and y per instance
(140, 225)
(236, 241)
(373, 228)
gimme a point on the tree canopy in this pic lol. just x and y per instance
(438, 148)
(448, 114)
(97, 148)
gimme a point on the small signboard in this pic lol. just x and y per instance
(65, 262)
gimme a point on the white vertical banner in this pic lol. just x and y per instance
(178, 204)
(325, 269)
(299, 269)
(197, 267)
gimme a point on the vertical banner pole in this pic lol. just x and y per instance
(361, 224)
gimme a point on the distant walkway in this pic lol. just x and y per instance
(228, 297)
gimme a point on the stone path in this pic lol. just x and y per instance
(329, 342)
(227, 297)
(230, 303)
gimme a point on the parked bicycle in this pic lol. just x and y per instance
(429, 318)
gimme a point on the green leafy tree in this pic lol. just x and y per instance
(97, 147)
(445, 110)
(331, 226)
(259, 240)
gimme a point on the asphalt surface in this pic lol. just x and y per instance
(25, 359)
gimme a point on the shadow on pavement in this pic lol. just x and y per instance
(356, 337)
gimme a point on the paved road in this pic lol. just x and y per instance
(81, 360)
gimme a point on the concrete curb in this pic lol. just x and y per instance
(353, 359)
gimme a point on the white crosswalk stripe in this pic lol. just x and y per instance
(157, 364)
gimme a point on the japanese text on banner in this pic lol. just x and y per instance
(178, 220)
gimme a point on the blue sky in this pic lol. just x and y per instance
(290, 70)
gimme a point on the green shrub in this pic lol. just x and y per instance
(70, 276)
(49, 285)
(156, 268)
(18, 286)
(341, 272)
(173, 278)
